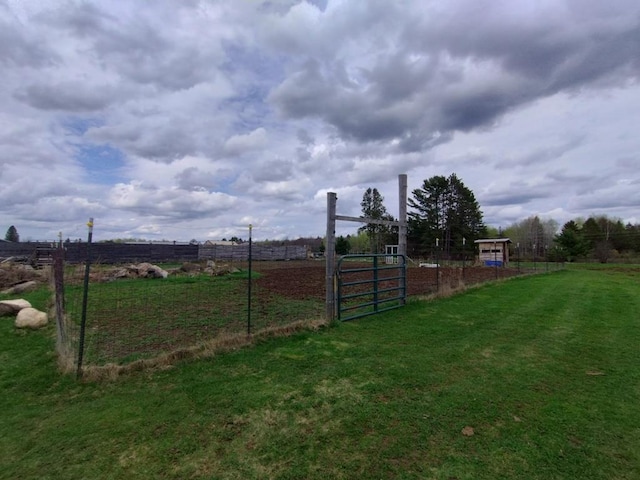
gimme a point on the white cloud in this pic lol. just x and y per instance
(193, 119)
(171, 202)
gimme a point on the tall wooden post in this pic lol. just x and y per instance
(402, 227)
(402, 214)
(330, 256)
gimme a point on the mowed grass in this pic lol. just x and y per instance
(532, 378)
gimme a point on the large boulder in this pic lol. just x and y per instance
(191, 268)
(12, 307)
(21, 288)
(147, 270)
(31, 318)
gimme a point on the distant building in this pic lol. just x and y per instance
(220, 242)
(493, 251)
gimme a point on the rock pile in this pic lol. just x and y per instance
(141, 270)
(210, 268)
(16, 278)
(25, 315)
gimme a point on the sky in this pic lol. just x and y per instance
(195, 119)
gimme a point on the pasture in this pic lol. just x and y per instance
(535, 377)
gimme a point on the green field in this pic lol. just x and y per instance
(534, 378)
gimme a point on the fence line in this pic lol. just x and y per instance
(110, 253)
(259, 252)
(131, 319)
(135, 319)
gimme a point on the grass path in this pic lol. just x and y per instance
(532, 378)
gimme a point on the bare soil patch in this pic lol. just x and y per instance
(306, 279)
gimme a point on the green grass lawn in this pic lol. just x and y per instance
(541, 373)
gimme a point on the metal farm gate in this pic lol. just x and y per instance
(379, 294)
(370, 284)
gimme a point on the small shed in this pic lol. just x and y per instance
(493, 251)
(391, 252)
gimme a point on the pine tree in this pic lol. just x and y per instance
(373, 207)
(342, 245)
(12, 235)
(444, 209)
(571, 241)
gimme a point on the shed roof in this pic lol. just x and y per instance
(493, 240)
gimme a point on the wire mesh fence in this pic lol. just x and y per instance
(130, 316)
(140, 312)
(425, 278)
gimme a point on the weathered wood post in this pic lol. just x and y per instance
(330, 256)
(402, 227)
(402, 214)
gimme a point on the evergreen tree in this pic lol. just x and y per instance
(444, 209)
(342, 245)
(571, 242)
(604, 236)
(12, 235)
(373, 207)
(632, 236)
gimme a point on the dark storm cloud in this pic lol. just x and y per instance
(517, 195)
(560, 45)
(359, 114)
(466, 111)
(464, 67)
(536, 157)
(69, 97)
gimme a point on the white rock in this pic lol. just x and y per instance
(31, 318)
(11, 307)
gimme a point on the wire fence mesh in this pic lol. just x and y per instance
(133, 314)
(130, 316)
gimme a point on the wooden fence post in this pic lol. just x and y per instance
(330, 256)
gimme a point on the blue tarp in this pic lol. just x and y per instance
(493, 263)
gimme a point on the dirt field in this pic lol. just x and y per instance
(306, 279)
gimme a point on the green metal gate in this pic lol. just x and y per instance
(370, 284)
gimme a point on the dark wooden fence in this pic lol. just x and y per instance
(34, 252)
(240, 253)
(109, 253)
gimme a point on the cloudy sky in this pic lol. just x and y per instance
(193, 119)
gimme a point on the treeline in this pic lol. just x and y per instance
(598, 238)
(445, 219)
